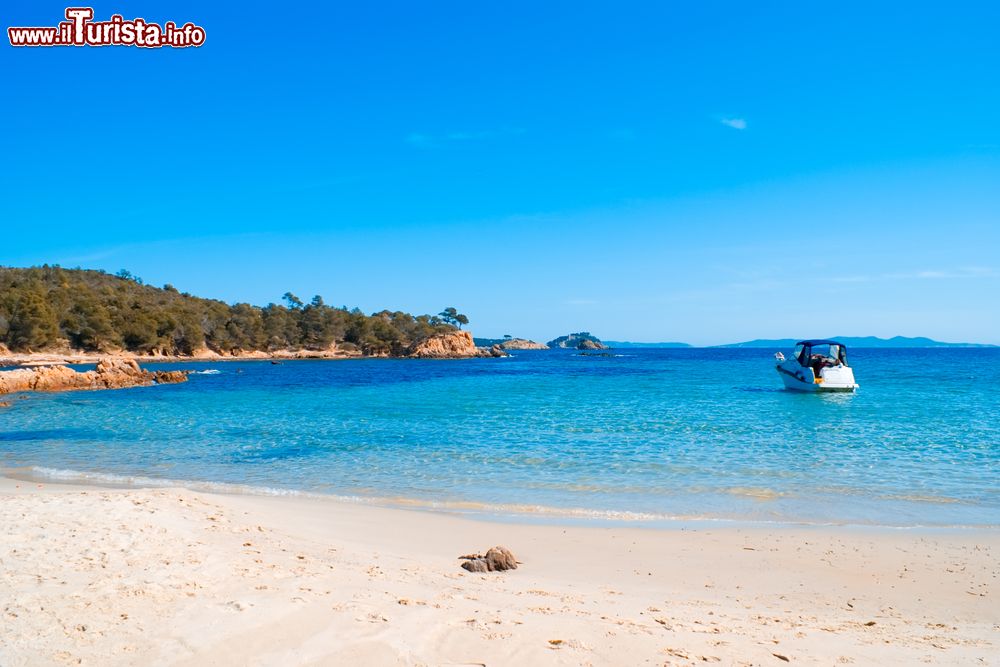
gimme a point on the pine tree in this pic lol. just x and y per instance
(34, 324)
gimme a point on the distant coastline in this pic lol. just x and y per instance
(900, 342)
(859, 341)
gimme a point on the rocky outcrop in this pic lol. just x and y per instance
(579, 341)
(111, 373)
(452, 345)
(447, 345)
(496, 559)
(522, 344)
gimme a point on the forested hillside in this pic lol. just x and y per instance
(51, 307)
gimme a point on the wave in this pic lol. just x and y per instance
(34, 473)
(535, 512)
(42, 473)
(207, 371)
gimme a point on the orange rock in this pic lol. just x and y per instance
(453, 345)
(111, 373)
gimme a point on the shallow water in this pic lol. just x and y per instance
(647, 434)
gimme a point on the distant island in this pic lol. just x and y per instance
(71, 311)
(582, 340)
(857, 341)
(511, 343)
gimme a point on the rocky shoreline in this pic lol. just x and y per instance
(111, 373)
(451, 345)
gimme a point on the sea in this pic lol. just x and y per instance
(636, 435)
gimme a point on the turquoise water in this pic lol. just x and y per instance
(650, 434)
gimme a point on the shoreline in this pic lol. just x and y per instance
(476, 510)
(173, 576)
(46, 359)
(75, 358)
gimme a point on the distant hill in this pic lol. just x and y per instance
(625, 343)
(51, 308)
(858, 341)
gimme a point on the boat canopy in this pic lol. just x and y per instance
(804, 351)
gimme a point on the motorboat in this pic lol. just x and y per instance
(816, 365)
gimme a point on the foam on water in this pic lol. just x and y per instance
(38, 473)
(538, 512)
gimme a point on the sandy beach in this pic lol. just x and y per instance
(507, 335)
(174, 577)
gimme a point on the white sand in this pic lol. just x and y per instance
(146, 577)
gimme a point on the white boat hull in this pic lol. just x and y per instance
(798, 378)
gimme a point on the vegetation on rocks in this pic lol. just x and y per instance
(49, 307)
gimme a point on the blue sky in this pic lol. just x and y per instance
(704, 172)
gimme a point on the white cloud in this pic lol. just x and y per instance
(735, 123)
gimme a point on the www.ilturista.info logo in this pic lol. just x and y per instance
(81, 30)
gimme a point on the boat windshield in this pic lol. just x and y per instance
(835, 352)
(808, 355)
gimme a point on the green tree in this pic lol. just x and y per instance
(88, 326)
(451, 316)
(140, 333)
(245, 327)
(314, 325)
(188, 335)
(281, 330)
(33, 324)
